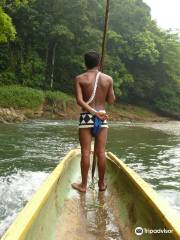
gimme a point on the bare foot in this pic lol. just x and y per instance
(102, 187)
(78, 187)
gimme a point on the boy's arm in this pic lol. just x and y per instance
(110, 95)
(83, 104)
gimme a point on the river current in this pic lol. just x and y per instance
(29, 152)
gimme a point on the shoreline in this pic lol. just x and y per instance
(117, 112)
(18, 104)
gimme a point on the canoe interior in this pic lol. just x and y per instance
(131, 208)
(113, 214)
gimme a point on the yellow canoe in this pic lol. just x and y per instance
(129, 209)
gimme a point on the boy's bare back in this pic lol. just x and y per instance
(104, 91)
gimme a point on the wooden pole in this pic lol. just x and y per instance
(104, 42)
(103, 53)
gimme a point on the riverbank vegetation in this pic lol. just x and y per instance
(20, 97)
(42, 43)
(18, 103)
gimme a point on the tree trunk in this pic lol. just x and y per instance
(46, 70)
(47, 55)
(53, 64)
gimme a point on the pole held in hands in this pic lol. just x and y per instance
(103, 53)
(104, 42)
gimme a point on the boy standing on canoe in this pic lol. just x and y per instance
(93, 90)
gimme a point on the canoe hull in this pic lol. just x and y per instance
(58, 212)
(38, 219)
(131, 208)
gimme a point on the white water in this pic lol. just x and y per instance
(15, 190)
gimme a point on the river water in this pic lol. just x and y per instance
(29, 151)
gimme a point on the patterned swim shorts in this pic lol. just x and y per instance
(86, 120)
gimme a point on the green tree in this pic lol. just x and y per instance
(7, 30)
(42, 44)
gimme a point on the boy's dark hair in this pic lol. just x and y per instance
(91, 59)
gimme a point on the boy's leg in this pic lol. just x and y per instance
(85, 139)
(100, 148)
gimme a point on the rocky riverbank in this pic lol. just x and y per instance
(19, 103)
(11, 115)
(71, 112)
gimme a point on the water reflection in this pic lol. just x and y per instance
(99, 216)
(88, 216)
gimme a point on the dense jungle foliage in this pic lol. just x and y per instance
(42, 43)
